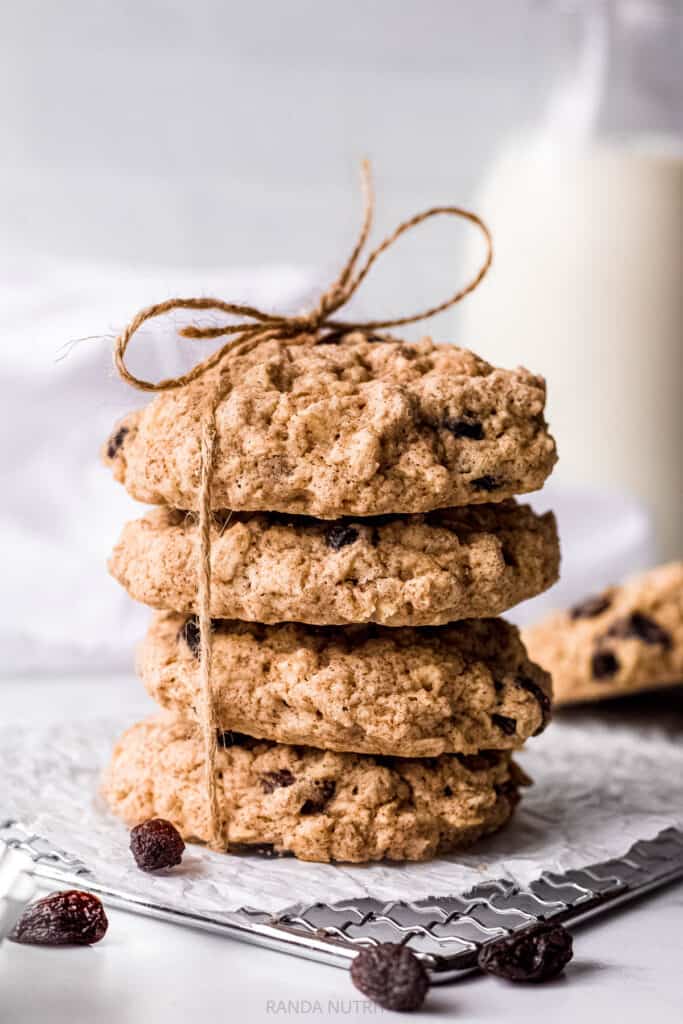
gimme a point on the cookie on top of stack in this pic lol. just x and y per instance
(364, 535)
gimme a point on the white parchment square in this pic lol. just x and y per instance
(603, 779)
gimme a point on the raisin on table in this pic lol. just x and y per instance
(391, 975)
(156, 844)
(538, 953)
(70, 918)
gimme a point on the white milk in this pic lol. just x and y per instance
(587, 289)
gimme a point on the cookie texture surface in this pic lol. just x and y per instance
(625, 639)
(358, 427)
(398, 571)
(413, 693)
(316, 804)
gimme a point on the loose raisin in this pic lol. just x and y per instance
(71, 918)
(156, 844)
(538, 953)
(391, 975)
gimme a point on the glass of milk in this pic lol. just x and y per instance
(587, 283)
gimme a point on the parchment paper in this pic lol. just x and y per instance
(603, 779)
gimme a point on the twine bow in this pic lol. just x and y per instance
(256, 327)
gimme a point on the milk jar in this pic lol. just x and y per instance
(587, 285)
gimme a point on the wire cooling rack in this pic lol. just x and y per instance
(447, 932)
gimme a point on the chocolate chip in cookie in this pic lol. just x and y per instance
(189, 632)
(116, 441)
(604, 665)
(339, 535)
(486, 483)
(270, 781)
(541, 696)
(467, 428)
(641, 627)
(325, 790)
(590, 608)
(505, 724)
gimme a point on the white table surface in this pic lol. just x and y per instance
(627, 964)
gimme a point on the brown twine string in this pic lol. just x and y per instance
(305, 329)
(207, 718)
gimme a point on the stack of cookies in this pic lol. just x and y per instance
(364, 536)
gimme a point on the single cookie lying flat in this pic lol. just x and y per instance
(398, 571)
(625, 639)
(412, 693)
(358, 427)
(316, 804)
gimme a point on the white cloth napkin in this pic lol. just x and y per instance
(61, 511)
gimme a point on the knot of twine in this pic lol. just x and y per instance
(256, 327)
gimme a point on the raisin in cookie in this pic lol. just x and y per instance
(316, 804)
(358, 427)
(415, 693)
(422, 570)
(625, 639)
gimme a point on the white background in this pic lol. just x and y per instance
(214, 132)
